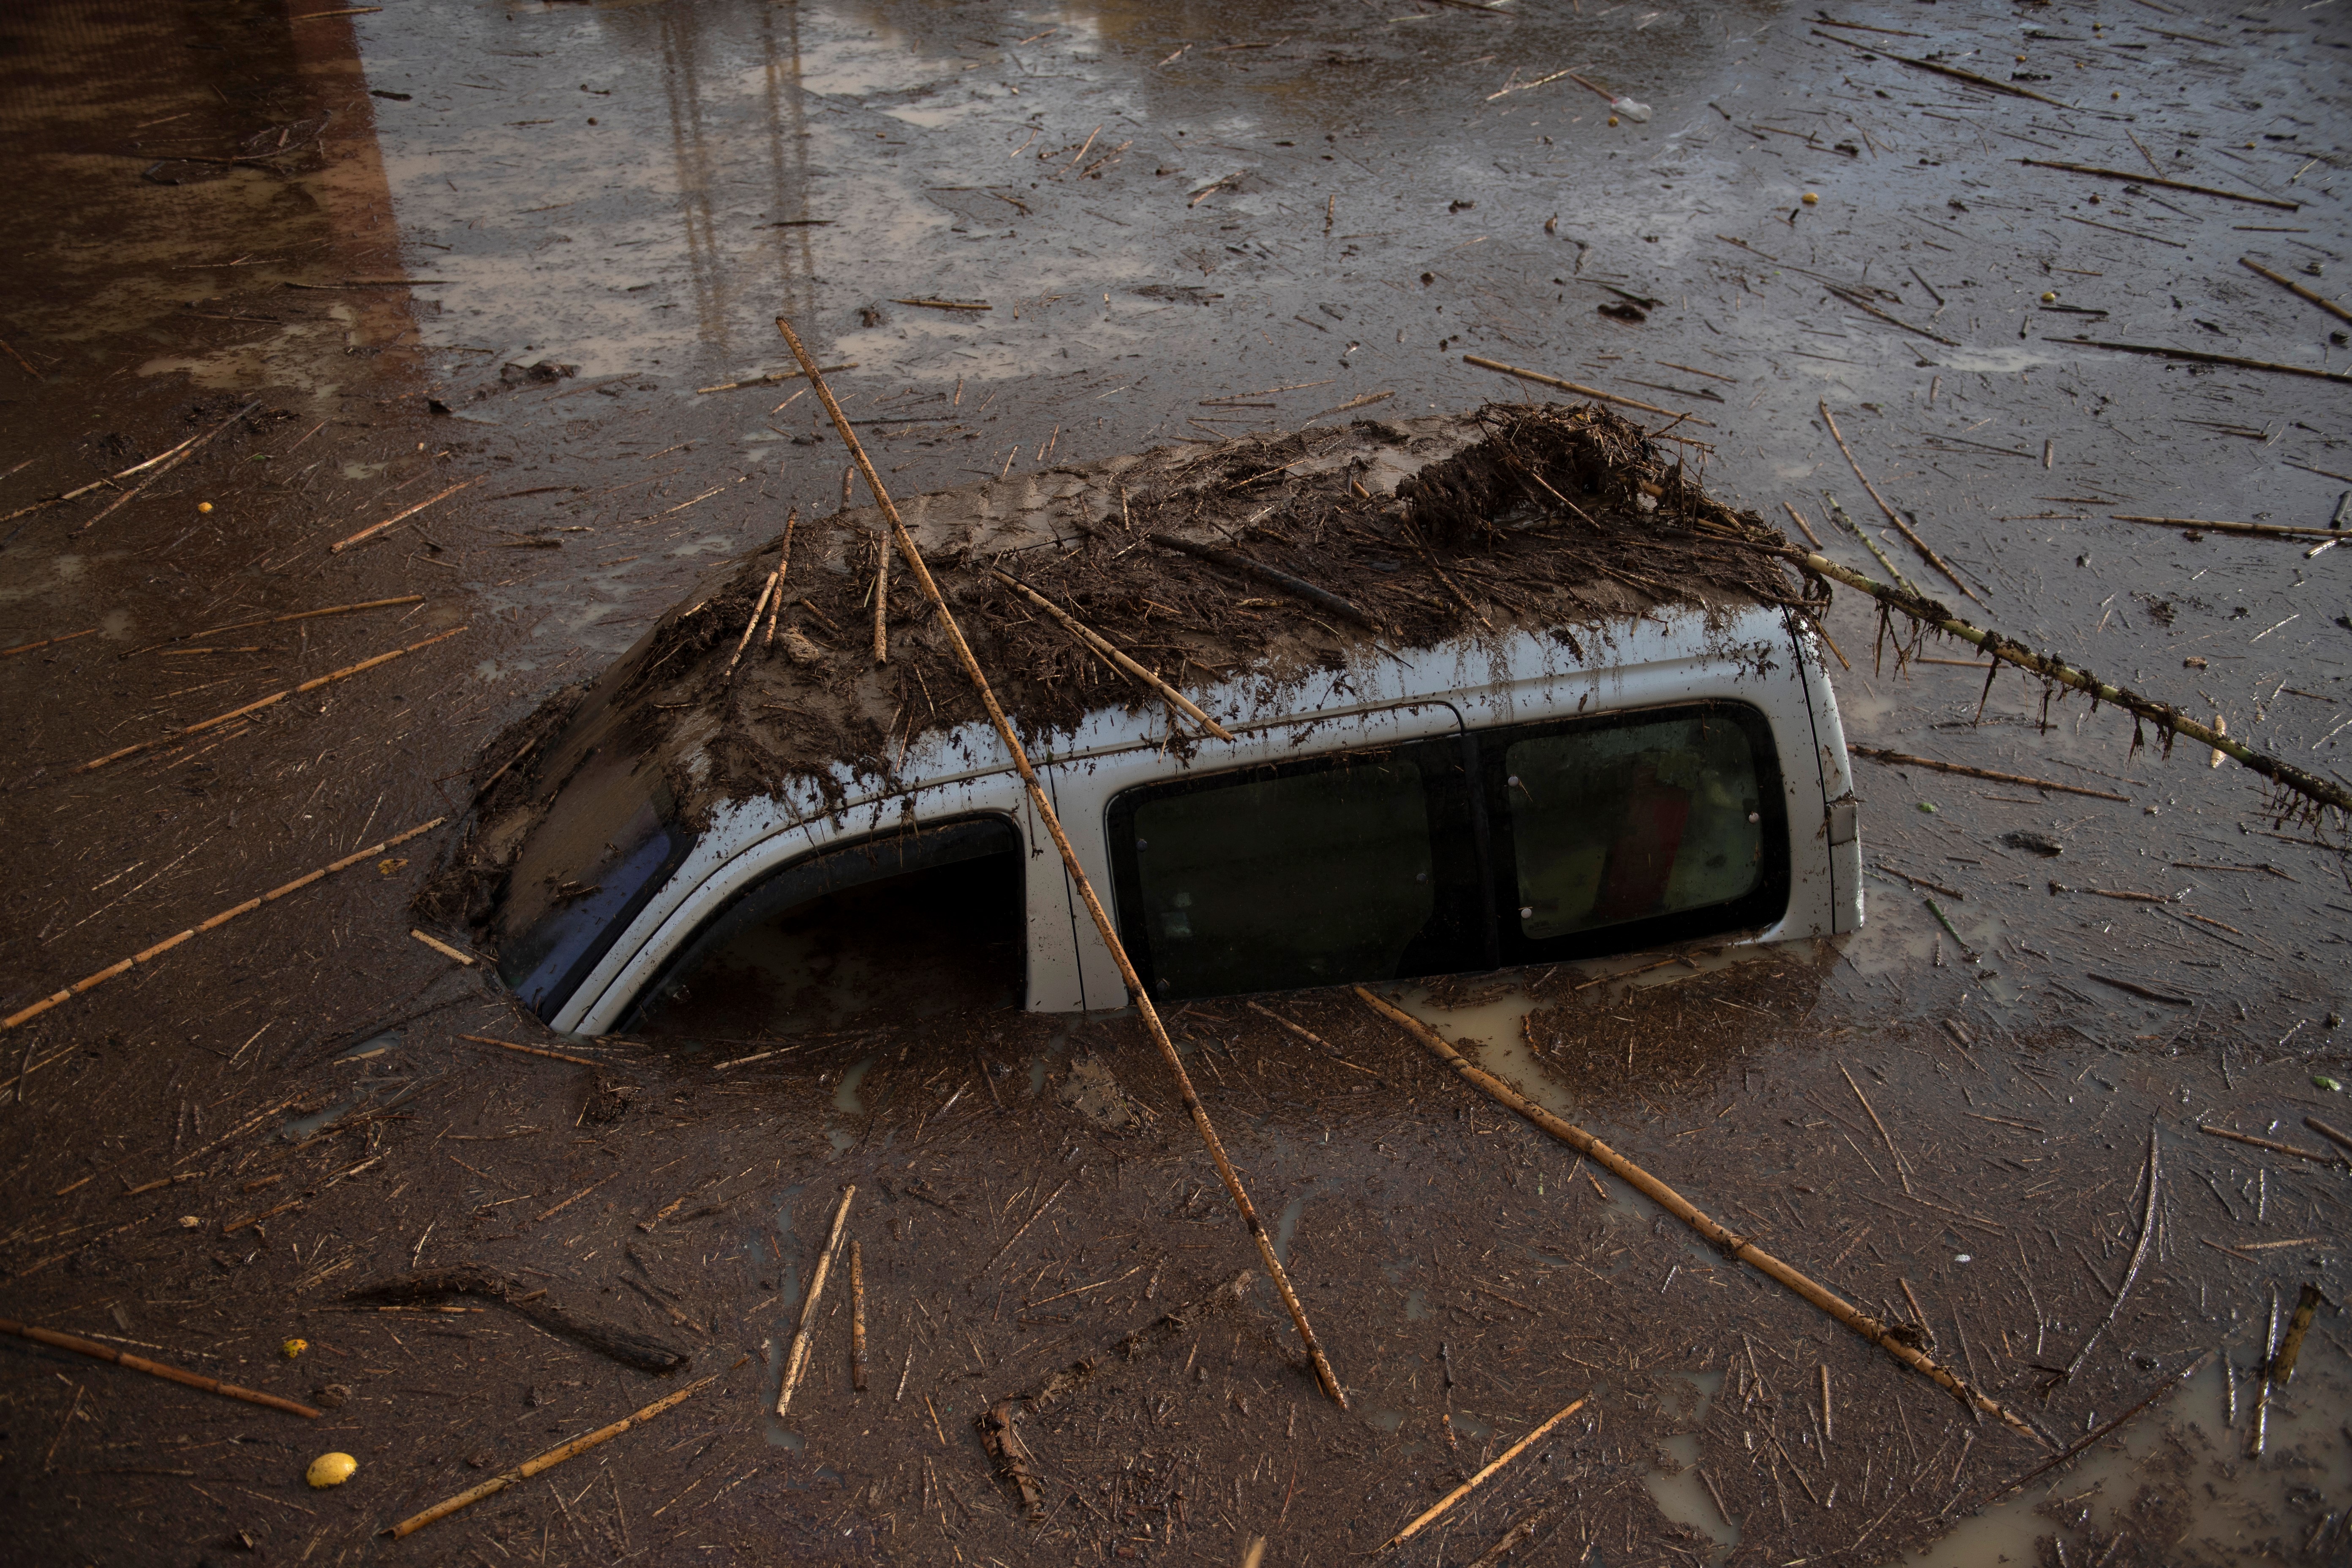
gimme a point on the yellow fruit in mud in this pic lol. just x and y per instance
(204, 506)
(293, 1348)
(2050, 298)
(1612, 119)
(1812, 200)
(330, 1471)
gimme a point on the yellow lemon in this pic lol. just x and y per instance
(1612, 119)
(1812, 200)
(2050, 298)
(293, 1348)
(330, 1469)
(204, 506)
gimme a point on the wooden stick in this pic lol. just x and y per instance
(124, 966)
(166, 463)
(44, 642)
(857, 1317)
(1860, 304)
(1725, 1241)
(1901, 527)
(1466, 1488)
(2251, 530)
(2340, 1138)
(2131, 1270)
(1528, 1525)
(1035, 1216)
(298, 616)
(1798, 519)
(81, 1346)
(783, 565)
(2103, 1432)
(372, 530)
(443, 948)
(2282, 1360)
(881, 600)
(2259, 1429)
(2324, 792)
(312, 685)
(1902, 1167)
(552, 1457)
(1542, 380)
(772, 377)
(1298, 588)
(955, 304)
(2168, 184)
(767, 590)
(2317, 1157)
(1090, 638)
(2292, 286)
(2195, 357)
(172, 456)
(1104, 927)
(798, 1359)
(529, 1050)
(1904, 760)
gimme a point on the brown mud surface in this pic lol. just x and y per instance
(395, 228)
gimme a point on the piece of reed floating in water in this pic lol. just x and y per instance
(1729, 1243)
(125, 965)
(1104, 926)
(81, 1346)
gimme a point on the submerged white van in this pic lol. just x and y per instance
(1480, 773)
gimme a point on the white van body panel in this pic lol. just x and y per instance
(1664, 658)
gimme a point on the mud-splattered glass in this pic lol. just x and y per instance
(1633, 821)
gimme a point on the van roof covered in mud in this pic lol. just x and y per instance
(1256, 563)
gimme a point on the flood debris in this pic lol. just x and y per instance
(148, 955)
(1000, 1435)
(81, 1346)
(1904, 760)
(1893, 1342)
(622, 1344)
(2151, 1176)
(548, 1460)
(1439, 1508)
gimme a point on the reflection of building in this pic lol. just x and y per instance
(168, 155)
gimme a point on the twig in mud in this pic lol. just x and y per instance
(548, 1460)
(2321, 791)
(311, 685)
(2194, 356)
(376, 528)
(2155, 1172)
(162, 465)
(2250, 530)
(81, 1346)
(857, 1317)
(1904, 760)
(1724, 1240)
(2340, 1138)
(1581, 390)
(1295, 586)
(798, 1358)
(1095, 642)
(1901, 1166)
(1522, 1531)
(2103, 1432)
(2317, 1157)
(2282, 1360)
(1860, 304)
(1806, 528)
(1038, 1214)
(1084, 886)
(2292, 286)
(2127, 174)
(125, 965)
(47, 642)
(1466, 1488)
(624, 1344)
(768, 590)
(881, 599)
(771, 377)
(1901, 527)
(2259, 1433)
(2135, 988)
(1953, 72)
(530, 1050)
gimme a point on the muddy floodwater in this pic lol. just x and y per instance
(452, 323)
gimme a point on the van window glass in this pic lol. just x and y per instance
(1352, 868)
(901, 926)
(1631, 821)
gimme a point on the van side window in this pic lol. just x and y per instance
(902, 925)
(1631, 822)
(1356, 868)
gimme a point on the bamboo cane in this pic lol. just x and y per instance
(1726, 1241)
(1085, 885)
(2292, 286)
(798, 1359)
(124, 965)
(1922, 608)
(548, 1460)
(1918, 543)
(1095, 641)
(81, 1346)
(1466, 1488)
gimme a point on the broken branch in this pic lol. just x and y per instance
(1904, 760)
(798, 1359)
(1095, 641)
(81, 1346)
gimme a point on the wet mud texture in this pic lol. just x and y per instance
(1468, 210)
